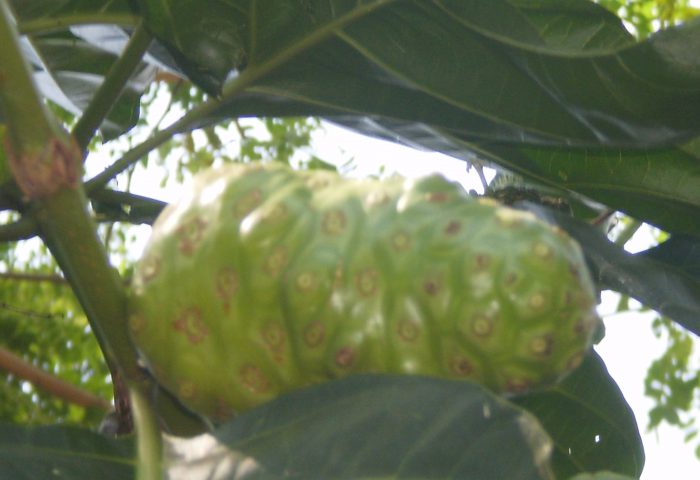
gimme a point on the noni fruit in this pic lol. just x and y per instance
(261, 279)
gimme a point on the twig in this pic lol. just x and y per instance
(34, 277)
(47, 382)
(112, 86)
(22, 229)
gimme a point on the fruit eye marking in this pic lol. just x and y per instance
(186, 389)
(366, 281)
(453, 227)
(432, 286)
(575, 361)
(247, 203)
(226, 284)
(277, 213)
(376, 198)
(305, 281)
(518, 385)
(459, 365)
(482, 325)
(542, 250)
(537, 301)
(190, 234)
(274, 336)
(314, 334)
(253, 378)
(276, 262)
(333, 222)
(190, 323)
(437, 197)
(345, 357)
(510, 279)
(407, 330)
(482, 261)
(151, 267)
(542, 345)
(400, 241)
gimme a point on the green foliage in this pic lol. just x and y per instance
(558, 92)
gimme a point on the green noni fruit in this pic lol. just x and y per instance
(260, 280)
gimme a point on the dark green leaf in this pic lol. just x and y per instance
(62, 452)
(591, 425)
(601, 476)
(661, 286)
(372, 426)
(679, 251)
(504, 71)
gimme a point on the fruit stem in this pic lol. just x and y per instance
(149, 442)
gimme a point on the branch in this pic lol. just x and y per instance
(33, 277)
(112, 87)
(61, 22)
(44, 381)
(22, 229)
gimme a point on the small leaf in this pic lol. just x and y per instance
(590, 423)
(372, 426)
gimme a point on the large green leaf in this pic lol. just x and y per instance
(372, 426)
(62, 452)
(547, 72)
(591, 425)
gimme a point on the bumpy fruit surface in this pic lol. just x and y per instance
(261, 280)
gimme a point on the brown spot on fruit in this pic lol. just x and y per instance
(407, 330)
(314, 334)
(482, 261)
(437, 197)
(333, 222)
(432, 286)
(190, 323)
(453, 227)
(510, 279)
(253, 378)
(366, 281)
(190, 234)
(461, 366)
(345, 357)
